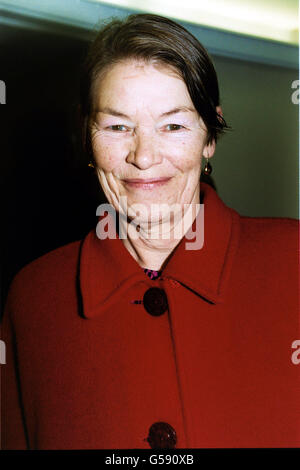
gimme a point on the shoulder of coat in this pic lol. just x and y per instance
(273, 232)
(45, 272)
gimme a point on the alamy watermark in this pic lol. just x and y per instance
(2, 92)
(2, 352)
(295, 94)
(178, 221)
(296, 354)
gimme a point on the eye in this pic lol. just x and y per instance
(174, 127)
(118, 128)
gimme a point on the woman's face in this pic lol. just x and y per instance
(147, 139)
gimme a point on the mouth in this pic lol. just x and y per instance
(150, 183)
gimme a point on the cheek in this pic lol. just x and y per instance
(107, 156)
(186, 156)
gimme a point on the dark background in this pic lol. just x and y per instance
(49, 194)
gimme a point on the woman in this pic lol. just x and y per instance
(135, 337)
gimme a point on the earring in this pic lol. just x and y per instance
(91, 164)
(207, 170)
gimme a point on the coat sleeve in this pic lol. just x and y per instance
(13, 432)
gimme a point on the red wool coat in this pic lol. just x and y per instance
(86, 368)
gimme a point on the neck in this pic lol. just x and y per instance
(152, 246)
(151, 254)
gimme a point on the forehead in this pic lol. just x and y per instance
(138, 83)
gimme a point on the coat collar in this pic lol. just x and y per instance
(107, 270)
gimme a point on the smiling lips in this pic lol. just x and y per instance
(150, 183)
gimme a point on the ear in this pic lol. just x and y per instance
(209, 149)
(219, 110)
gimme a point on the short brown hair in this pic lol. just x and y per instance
(152, 38)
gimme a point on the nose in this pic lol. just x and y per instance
(144, 152)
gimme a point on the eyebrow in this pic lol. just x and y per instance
(177, 110)
(181, 109)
